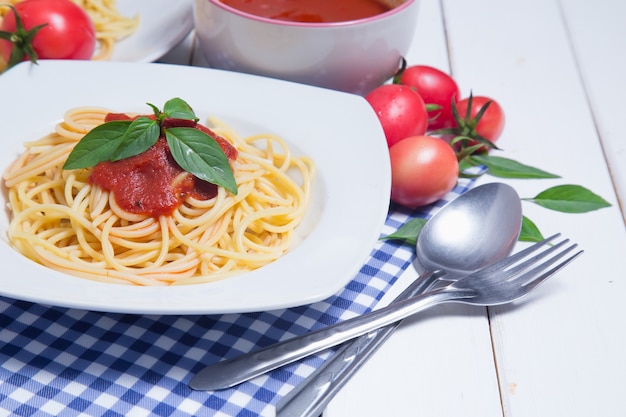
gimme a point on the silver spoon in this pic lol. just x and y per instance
(475, 230)
(492, 204)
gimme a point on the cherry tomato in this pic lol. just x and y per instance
(491, 123)
(68, 33)
(436, 87)
(423, 170)
(401, 111)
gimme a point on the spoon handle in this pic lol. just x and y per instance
(234, 371)
(310, 398)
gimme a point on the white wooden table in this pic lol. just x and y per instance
(557, 67)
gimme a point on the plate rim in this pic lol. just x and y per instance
(145, 9)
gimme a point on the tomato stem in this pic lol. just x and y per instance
(22, 40)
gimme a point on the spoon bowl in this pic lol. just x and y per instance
(471, 232)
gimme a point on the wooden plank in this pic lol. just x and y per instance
(598, 35)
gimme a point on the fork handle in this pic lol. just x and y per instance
(234, 371)
(310, 398)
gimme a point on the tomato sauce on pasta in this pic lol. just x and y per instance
(152, 183)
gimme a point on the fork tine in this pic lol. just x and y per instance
(522, 266)
(538, 279)
(524, 283)
(518, 256)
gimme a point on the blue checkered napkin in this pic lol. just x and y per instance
(67, 362)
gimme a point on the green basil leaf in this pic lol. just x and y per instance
(508, 168)
(200, 155)
(98, 145)
(569, 199)
(156, 111)
(530, 232)
(177, 108)
(408, 232)
(140, 136)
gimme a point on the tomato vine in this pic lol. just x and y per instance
(471, 126)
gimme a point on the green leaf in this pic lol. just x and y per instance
(508, 168)
(408, 232)
(433, 107)
(466, 151)
(98, 145)
(140, 136)
(397, 77)
(465, 164)
(157, 112)
(530, 232)
(469, 169)
(569, 199)
(177, 108)
(200, 155)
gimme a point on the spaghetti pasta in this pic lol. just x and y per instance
(64, 222)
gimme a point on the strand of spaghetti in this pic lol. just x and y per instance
(120, 264)
(270, 141)
(92, 272)
(293, 189)
(108, 247)
(223, 203)
(98, 203)
(207, 277)
(245, 244)
(27, 196)
(89, 243)
(165, 238)
(78, 121)
(78, 201)
(38, 163)
(54, 212)
(111, 26)
(137, 230)
(227, 253)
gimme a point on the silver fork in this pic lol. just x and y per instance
(500, 283)
(310, 397)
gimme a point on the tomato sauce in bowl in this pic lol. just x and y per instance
(310, 11)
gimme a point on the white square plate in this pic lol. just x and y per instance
(339, 131)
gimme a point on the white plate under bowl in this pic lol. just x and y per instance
(163, 24)
(338, 131)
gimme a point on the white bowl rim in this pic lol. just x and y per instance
(395, 10)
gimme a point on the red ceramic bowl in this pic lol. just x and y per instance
(353, 56)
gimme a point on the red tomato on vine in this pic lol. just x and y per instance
(46, 29)
(480, 118)
(436, 89)
(400, 110)
(423, 170)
